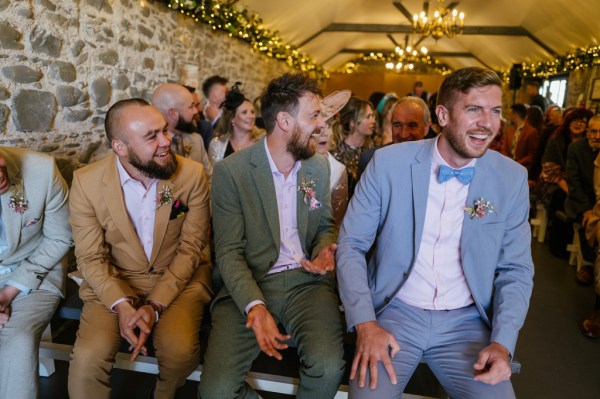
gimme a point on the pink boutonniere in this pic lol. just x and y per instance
(480, 208)
(17, 202)
(164, 196)
(307, 186)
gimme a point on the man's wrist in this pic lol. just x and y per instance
(254, 307)
(157, 309)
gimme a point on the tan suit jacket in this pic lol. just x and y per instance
(38, 238)
(109, 254)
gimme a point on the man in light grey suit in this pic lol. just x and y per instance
(274, 244)
(35, 235)
(451, 276)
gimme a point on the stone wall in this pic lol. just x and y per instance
(64, 62)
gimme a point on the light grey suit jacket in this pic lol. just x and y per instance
(389, 206)
(39, 238)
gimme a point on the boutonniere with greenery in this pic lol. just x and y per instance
(164, 196)
(17, 202)
(480, 208)
(307, 186)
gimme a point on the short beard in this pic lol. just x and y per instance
(299, 151)
(186, 127)
(151, 168)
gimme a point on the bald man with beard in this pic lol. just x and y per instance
(178, 107)
(139, 219)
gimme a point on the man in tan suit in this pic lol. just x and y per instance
(34, 237)
(139, 221)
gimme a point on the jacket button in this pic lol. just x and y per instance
(405, 275)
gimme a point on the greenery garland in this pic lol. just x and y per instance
(580, 58)
(241, 24)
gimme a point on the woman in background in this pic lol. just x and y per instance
(236, 128)
(352, 134)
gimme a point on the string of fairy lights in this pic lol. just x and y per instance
(240, 23)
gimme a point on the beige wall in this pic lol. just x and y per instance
(363, 84)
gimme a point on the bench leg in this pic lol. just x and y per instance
(46, 367)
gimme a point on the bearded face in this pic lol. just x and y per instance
(151, 168)
(302, 145)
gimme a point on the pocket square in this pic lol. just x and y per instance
(178, 209)
(32, 222)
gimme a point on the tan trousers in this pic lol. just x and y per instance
(175, 337)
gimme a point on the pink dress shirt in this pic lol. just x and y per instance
(437, 281)
(141, 208)
(286, 191)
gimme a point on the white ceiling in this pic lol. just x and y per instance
(561, 25)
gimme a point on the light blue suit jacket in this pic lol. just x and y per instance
(389, 206)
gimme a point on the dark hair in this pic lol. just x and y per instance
(431, 103)
(210, 82)
(533, 83)
(283, 95)
(375, 98)
(535, 118)
(577, 113)
(520, 109)
(113, 116)
(234, 98)
(418, 83)
(190, 88)
(462, 81)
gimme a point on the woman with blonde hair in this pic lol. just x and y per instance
(352, 135)
(236, 128)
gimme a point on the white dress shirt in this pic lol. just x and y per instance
(286, 191)
(437, 281)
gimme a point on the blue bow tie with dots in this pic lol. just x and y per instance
(464, 175)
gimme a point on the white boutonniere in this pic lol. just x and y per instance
(17, 202)
(307, 186)
(480, 208)
(164, 196)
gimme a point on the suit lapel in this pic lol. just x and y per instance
(115, 203)
(302, 209)
(471, 228)
(263, 179)
(161, 218)
(420, 172)
(12, 219)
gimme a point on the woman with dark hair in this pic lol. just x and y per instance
(352, 135)
(552, 187)
(529, 136)
(236, 127)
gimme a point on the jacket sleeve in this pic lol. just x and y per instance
(577, 200)
(514, 273)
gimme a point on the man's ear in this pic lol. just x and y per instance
(443, 115)
(173, 115)
(283, 120)
(119, 147)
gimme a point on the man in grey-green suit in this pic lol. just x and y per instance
(274, 243)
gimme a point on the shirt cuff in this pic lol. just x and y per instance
(118, 301)
(24, 290)
(253, 304)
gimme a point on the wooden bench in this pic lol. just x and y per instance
(70, 309)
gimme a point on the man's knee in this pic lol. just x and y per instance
(327, 363)
(177, 349)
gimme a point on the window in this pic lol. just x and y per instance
(557, 88)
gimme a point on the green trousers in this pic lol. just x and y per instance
(308, 308)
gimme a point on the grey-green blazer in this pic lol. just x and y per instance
(246, 220)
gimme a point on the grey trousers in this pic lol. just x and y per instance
(448, 340)
(20, 343)
(307, 306)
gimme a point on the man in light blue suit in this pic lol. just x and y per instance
(451, 276)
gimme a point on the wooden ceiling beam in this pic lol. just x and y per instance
(404, 11)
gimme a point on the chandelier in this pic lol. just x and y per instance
(405, 58)
(445, 22)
